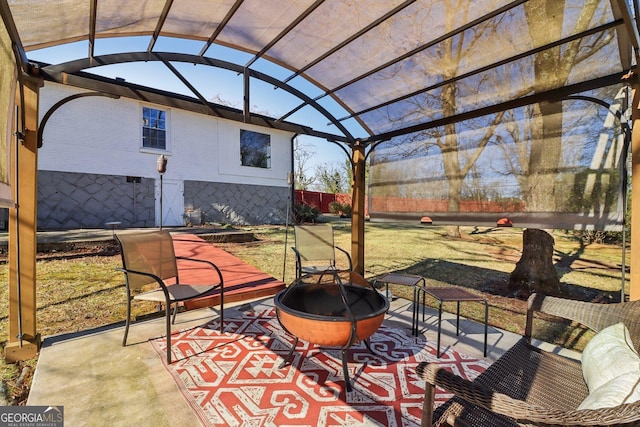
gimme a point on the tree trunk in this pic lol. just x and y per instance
(535, 271)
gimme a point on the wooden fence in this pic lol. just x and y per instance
(320, 200)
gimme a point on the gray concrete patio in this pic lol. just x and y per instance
(99, 382)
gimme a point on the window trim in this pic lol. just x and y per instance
(270, 147)
(167, 139)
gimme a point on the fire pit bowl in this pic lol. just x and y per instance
(317, 314)
(331, 314)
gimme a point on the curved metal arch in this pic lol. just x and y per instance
(598, 101)
(119, 58)
(557, 94)
(60, 103)
(626, 129)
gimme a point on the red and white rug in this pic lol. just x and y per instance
(234, 379)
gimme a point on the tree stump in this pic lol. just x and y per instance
(535, 271)
(453, 231)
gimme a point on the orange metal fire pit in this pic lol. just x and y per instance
(330, 314)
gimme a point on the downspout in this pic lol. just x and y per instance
(290, 176)
(290, 202)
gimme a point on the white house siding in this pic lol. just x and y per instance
(93, 170)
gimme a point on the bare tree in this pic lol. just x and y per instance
(332, 179)
(551, 69)
(448, 57)
(535, 270)
(337, 177)
(537, 145)
(302, 153)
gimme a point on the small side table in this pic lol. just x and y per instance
(453, 294)
(406, 280)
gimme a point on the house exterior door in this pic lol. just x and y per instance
(172, 202)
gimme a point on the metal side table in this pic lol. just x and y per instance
(405, 280)
(445, 294)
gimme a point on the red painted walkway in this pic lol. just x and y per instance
(241, 280)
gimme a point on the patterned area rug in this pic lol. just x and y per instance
(234, 379)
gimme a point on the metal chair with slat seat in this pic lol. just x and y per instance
(151, 274)
(316, 251)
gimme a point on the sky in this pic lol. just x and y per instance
(216, 85)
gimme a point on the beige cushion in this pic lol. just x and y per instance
(608, 355)
(622, 389)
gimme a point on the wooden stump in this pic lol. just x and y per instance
(535, 271)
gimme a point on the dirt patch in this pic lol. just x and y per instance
(503, 254)
(58, 251)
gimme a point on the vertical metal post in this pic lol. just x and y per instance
(634, 286)
(286, 224)
(160, 201)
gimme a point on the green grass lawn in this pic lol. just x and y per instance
(78, 293)
(481, 261)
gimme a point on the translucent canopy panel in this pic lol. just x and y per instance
(393, 65)
(471, 110)
(548, 165)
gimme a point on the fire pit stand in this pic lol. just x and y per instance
(331, 311)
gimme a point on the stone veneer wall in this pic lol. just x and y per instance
(237, 204)
(69, 200)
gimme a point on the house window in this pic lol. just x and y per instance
(154, 128)
(255, 149)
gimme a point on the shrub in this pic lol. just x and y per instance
(343, 209)
(305, 213)
(600, 237)
(335, 207)
(346, 209)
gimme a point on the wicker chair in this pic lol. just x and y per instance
(528, 386)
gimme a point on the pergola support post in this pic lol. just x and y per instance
(358, 208)
(24, 340)
(634, 286)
